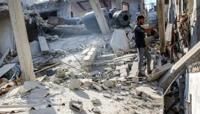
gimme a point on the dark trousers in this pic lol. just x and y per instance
(141, 53)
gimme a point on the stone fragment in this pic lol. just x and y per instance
(107, 95)
(116, 73)
(124, 93)
(96, 102)
(96, 110)
(30, 85)
(147, 92)
(123, 73)
(96, 87)
(104, 87)
(109, 83)
(74, 84)
(76, 106)
(87, 83)
(119, 98)
(60, 73)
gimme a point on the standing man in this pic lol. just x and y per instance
(141, 47)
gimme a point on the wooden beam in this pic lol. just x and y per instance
(190, 57)
(21, 39)
(161, 23)
(95, 4)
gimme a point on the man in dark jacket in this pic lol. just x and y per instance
(141, 47)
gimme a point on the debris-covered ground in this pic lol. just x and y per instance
(81, 75)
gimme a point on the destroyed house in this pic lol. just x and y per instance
(82, 57)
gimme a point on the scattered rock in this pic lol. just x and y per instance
(149, 93)
(30, 85)
(126, 88)
(86, 83)
(96, 102)
(109, 83)
(104, 87)
(124, 93)
(96, 110)
(108, 69)
(119, 98)
(76, 106)
(107, 95)
(50, 72)
(116, 73)
(123, 73)
(96, 87)
(74, 84)
(60, 73)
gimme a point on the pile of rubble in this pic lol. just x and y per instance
(104, 84)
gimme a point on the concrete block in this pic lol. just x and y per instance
(107, 95)
(96, 102)
(122, 67)
(89, 58)
(148, 92)
(86, 83)
(159, 71)
(35, 48)
(96, 87)
(123, 73)
(96, 110)
(74, 84)
(109, 83)
(43, 44)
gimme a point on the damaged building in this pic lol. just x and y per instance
(81, 57)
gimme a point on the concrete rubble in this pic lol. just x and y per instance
(78, 73)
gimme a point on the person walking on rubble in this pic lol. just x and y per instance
(142, 49)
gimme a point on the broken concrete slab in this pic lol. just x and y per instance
(6, 68)
(43, 44)
(30, 85)
(89, 58)
(158, 72)
(123, 73)
(167, 80)
(74, 84)
(35, 48)
(148, 92)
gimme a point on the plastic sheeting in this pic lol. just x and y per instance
(119, 41)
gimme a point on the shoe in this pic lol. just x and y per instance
(149, 72)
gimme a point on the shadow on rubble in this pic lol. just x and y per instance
(39, 99)
(81, 94)
(82, 112)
